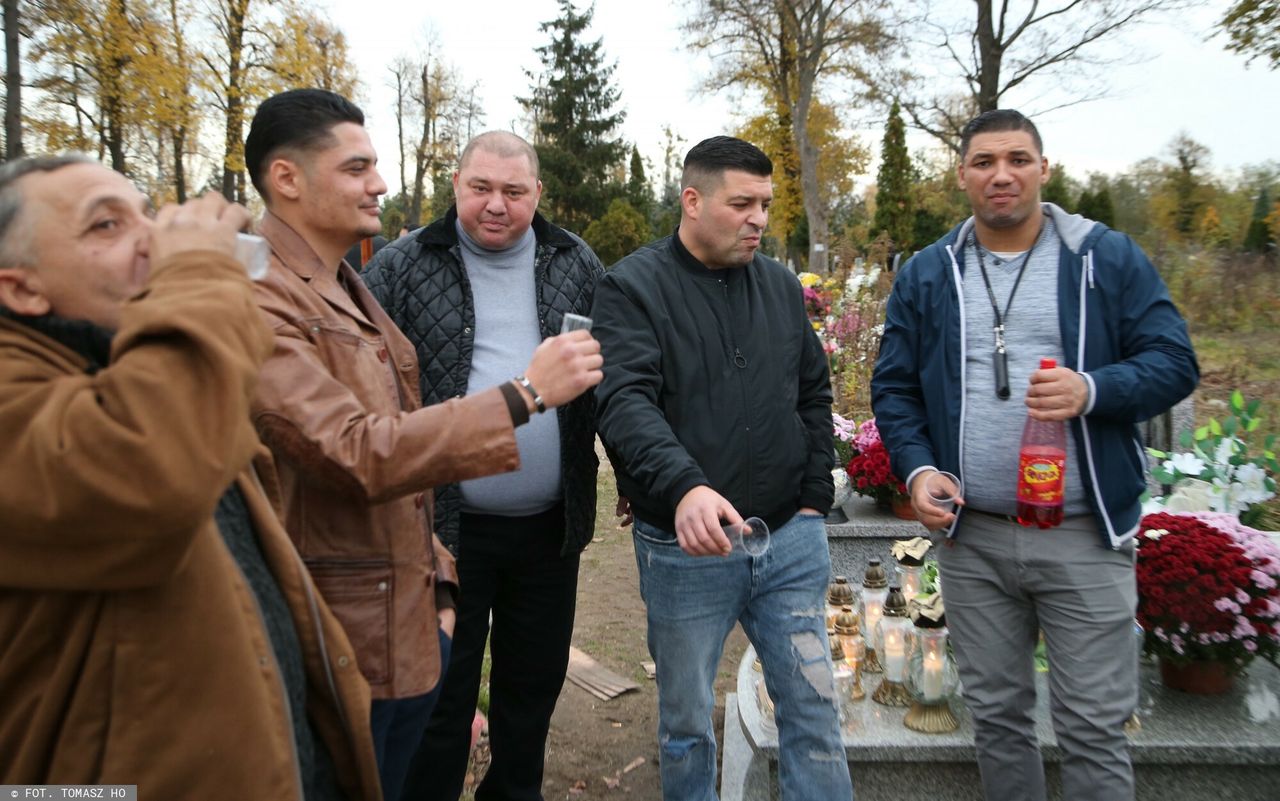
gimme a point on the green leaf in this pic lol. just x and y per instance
(1185, 439)
(1253, 424)
(1155, 454)
(1229, 427)
(1252, 409)
(1215, 426)
(1237, 401)
(1202, 432)
(1162, 475)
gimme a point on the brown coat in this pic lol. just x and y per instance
(338, 404)
(131, 647)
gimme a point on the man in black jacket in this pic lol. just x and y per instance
(476, 292)
(716, 405)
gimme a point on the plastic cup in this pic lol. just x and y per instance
(575, 322)
(944, 489)
(751, 536)
(253, 251)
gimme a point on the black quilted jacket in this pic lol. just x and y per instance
(420, 280)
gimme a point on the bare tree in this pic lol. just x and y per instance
(787, 48)
(1000, 46)
(402, 72)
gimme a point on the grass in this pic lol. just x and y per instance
(1250, 363)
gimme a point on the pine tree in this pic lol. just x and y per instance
(1097, 206)
(1056, 191)
(572, 104)
(639, 193)
(895, 209)
(1258, 234)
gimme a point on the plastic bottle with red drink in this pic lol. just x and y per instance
(1042, 468)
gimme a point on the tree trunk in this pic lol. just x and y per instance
(400, 129)
(813, 206)
(990, 56)
(12, 82)
(113, 101)
(233, 139)
(179, 131)
(179, 171)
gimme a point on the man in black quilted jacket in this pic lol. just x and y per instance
(475, 292)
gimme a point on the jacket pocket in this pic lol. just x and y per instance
(360, 595)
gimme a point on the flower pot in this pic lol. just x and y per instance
(1197, 678)
(903, 510)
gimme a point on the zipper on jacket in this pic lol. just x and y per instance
(955, 274)
(1086, 283)
(324, 648)
(740, 362)
(284, 691)
(315, 617)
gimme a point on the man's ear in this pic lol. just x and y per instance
(21, 292)
(691, 202)
(284, 179)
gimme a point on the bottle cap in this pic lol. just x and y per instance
(1048, 364)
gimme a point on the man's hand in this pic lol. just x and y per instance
(623, 510)
(933, 517)
(207, 223)
(448, 619)
(564, 367)
(808, 510)
(698, 522)
(1056, 394)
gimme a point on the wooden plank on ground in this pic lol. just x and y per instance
(595, 678)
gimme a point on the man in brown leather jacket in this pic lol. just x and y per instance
(338, 403)
(156, 625)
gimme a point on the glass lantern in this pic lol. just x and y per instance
(839, 594)
(875, 590)
(932, 680)
(854, 649)
(910, 578)
(895, 645)
(763, 702)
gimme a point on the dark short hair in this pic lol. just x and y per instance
(13, 253)
(998, 121)
(299, 119)
(709, 159)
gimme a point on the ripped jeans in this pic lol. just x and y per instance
(780, 598)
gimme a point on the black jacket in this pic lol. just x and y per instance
(711, 377)
(421, 282)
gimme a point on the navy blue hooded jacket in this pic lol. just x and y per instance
(1119, 330)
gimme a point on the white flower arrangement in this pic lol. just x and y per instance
(1217, 473)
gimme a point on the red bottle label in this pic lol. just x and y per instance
(1041, 470)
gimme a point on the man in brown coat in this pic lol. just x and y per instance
(339, 406)
(156, 625)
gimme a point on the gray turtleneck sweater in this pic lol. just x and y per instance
(506, 334)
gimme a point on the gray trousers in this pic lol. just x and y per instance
(1003, 584)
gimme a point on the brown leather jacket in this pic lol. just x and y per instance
(131, 646)
(338, 404)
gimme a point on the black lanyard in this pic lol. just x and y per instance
(1000, 359)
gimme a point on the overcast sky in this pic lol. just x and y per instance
(1180, 81)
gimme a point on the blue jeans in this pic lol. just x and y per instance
(693, 603)
(398, 724)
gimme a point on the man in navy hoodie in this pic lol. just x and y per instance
(968, 322)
